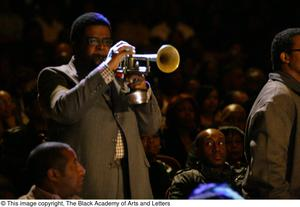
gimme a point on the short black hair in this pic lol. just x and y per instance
(231, 130)
(45, 156)
(226, 130)
(85, 20)
(282, 42)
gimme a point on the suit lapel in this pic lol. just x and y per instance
(107, 95)
(118, 98)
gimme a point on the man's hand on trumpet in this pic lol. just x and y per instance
(136, 81)
(117, 53)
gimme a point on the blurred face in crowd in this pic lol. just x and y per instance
(211, 102)
(186, 114)
(95, 44)
(234, 115)
(234, 147)
(6, 104)
(63, 53)
(151, 144)
(70, 181)
(213, 147)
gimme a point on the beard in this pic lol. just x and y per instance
(86, 64)
(94, 60)
(97, 59)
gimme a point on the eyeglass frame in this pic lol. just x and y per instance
(294, 50)
(95, 41)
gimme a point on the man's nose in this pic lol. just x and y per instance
(100, 46)
(81, 170)
(217, 148)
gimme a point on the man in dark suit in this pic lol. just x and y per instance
(87, 107)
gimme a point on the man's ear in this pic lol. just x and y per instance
(284, 57)
(53, 174)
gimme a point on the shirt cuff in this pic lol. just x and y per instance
(106, 73)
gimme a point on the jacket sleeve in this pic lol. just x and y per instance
(65, 101)
(148, 116)
(270, 130)
(183, 184)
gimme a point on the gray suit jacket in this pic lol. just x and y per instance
(83, 114)
(273, 139)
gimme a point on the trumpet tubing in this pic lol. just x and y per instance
(167, 58)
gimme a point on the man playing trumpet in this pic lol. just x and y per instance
(87, 107)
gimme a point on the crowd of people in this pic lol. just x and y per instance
(60, 98)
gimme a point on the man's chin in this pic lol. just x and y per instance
(98, 60)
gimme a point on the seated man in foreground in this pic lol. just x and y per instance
(55, 171)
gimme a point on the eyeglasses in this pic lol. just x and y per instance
(294, 50)
(94, 41)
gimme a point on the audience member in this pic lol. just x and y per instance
(233, 115)
(209, 102)
(62, 53)
(237, 97)
(233, 78)
(207, 165)
(159, 171)
(17, 142)
(236, 157)
(10, 115)
(181, 127)
(55, 172)
(255, 80)
(48, 19)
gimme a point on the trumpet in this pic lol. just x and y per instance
(167, 59)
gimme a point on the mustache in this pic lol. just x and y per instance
(98, 57)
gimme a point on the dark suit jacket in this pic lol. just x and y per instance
(273, 139)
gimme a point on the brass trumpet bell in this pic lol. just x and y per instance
(167, 60)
